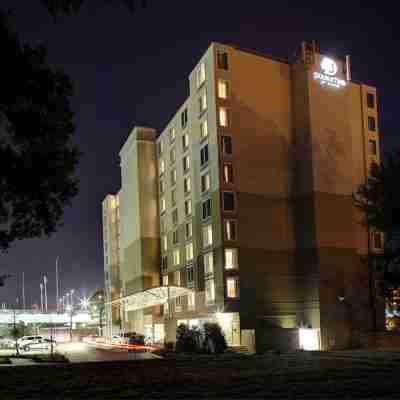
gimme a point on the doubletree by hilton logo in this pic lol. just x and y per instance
(327, 77)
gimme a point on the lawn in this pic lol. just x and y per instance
(301, 375)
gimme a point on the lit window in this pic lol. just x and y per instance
(161, 166)
(222, 89)
(165, 280)
(228, 173)
(172, 155)
(377, 240)
(188, 207)
(163, 204)
(189, 230)
(372, 147)
(164, 263)
(232, 287)
(370, 100)
(201, 74)
(187, 186)
(175, 216)
(210, 291)
(184, 118)
(222, 60)
(178, 304)
(223, 116)
(185, 141)
(226, 145)
(173, 196)
(176, 257)
(190, 274)
(231, 259)
(204, 155)
(371, 124)
(175, 238)
(165, 243)
(230, 229)
(208, 263)
(162, 186)
(229, 201)
(186, 163)
(162, 224)
(203, 102)
(172, 134)
(204, 129)
(177, 278)
(207, 236)
(205, 182)
(206, 209)
(173, 176)
(191, 301)
(189, 252)
(160, 148)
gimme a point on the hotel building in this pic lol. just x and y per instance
(240, 211)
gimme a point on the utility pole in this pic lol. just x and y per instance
(57, 300)
(23, 291)
(45, 291)
(41, 297)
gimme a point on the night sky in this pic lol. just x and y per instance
(132, 70)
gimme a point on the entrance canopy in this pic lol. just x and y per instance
(152, 297)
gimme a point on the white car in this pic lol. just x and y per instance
(27, 343)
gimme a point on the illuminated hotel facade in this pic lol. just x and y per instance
(240, 211)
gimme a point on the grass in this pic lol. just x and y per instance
(301, 375)
(5, 360)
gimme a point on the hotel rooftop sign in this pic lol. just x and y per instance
(328, 75)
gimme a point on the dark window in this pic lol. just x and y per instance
(378, 240)
(370, 100)
(207, 209)
(372, 146)
(222, 60)
(175, 237)
(374, 168)
(227, 145)
(184, 118)
(229, 201)
(204, 155)
(371, 124)
(164, 263)
(190, 274)
(175, 216)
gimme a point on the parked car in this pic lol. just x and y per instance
(7, 343)
(117, 339)
(27, 343)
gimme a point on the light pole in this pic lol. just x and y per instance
(45, 292)
(71, 311)
(41, 297)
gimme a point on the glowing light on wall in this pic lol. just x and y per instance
(309, 339)
(327, 77)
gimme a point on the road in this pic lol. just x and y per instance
(81, 352)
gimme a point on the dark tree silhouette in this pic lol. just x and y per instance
(37, 160)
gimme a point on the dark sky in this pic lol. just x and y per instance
(132, 70)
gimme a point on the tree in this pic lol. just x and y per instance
(37, 159)
(379, 201)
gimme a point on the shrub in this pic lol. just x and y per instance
(214, 338)
(187, 340)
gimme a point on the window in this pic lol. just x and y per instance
(204, 155)
(186, 163)
(160, 148)
(205, 182)
(177, 278)
(173, 196)
(223, 116)
(190, 274)
(189, 252)
(175, 216)
(188, 207)
(189, 230)
(187, 186)
(172, 155)
(201, 74)
(175, 238)
(377, 239)
(191, 301)
(230, 229)
(204, 129)
(162, 224)
(172, 134)
(165, 280)
(374, 168)
(162, 186)
(231, 259)
(232, 287)
(161, 166)
(185, 141)
(228, 173)
(206, 207)
(371, 124)
(226, 145)
(164, 263)
(208, 263)
(203, 102)
(176, 257)
(222, 89)
(210, 291)
(173, 176)
(222, 60)
(184, 118)
(207, 235)
(229, 201)
(372, 147)
(164, 241)
(370, 100)
(163, 204)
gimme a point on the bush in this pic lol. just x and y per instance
(214, 338)
(187, 340)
